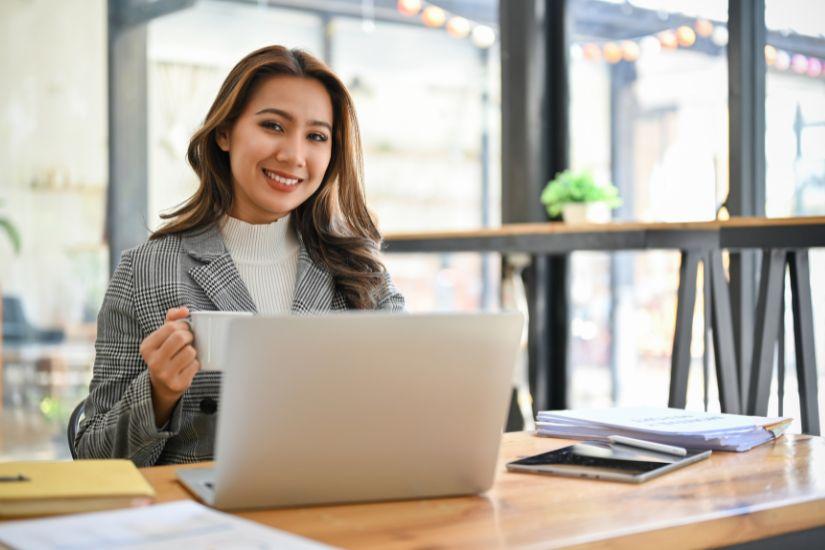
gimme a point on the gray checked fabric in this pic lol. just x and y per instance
(193, 270)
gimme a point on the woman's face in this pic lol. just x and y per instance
(279, 148)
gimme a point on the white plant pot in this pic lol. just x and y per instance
(589, 212)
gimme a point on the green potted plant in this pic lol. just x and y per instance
(577, 197)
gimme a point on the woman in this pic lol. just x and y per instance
(278, 224)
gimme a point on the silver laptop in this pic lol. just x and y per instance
(359, 406)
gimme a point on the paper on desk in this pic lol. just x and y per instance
(663, 420)
(691, 429)
(184, 524)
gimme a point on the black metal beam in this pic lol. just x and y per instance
(746, 101)
(523, 124)
(534, 148)
(727, 377)
(771, 293)
(804, 344)
(777, 236)
(555, 154)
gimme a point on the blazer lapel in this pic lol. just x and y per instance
(215, 272)
(314, 286)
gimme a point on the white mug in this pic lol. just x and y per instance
(210, 329)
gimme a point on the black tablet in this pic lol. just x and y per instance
(601, 460)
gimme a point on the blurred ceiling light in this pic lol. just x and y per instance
(704, 28)
(668, 39)
(630, 51)
(650, 45)
(484, 36)
(409, 7)
(783, 60)
(770, 54)
(685, 36)
(434, 16)
(799, 64)
(592, 52)
(720, 36)
(814, 67)
(458, 27)
(612, 52)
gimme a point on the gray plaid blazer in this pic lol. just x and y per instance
(195, 270)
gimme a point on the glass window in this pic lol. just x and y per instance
(648, 112)
(429, 109)
(795, 149)
(428, 103)
(53, 192)
(190, 53)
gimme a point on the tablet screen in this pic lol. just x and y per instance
(602, 458)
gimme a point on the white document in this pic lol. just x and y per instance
(173, 526)
(662, 420)
(691, 429)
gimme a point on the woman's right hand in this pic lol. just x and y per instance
(172, 360)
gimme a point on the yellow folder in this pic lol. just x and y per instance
(44, 488)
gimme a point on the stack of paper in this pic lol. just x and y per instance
(689, 429)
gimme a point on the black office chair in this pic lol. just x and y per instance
(18, 329)
(74, 424)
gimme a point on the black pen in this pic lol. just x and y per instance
(18, 477)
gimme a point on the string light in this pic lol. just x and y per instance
(770, 54)
(799, 64)
(612, 53)
(814, 67)
(630, 51)
(783, 60)
(650, 45)
(704, 28)
(483, 36)
(458, 27)
(409, 7)
(719, 36)
(434, 16)
(668, 39)
(685, 36)
(592, 52)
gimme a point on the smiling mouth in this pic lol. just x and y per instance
(283, 180)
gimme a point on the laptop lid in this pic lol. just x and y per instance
(362, 406)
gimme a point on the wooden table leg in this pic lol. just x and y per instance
(686, 301)
(803, 325)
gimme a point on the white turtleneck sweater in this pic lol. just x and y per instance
(266, 256)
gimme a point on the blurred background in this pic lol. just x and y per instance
(648, 109)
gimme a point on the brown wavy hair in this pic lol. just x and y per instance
(334, 223)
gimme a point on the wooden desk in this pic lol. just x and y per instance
(559, 238)
(731, 498)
